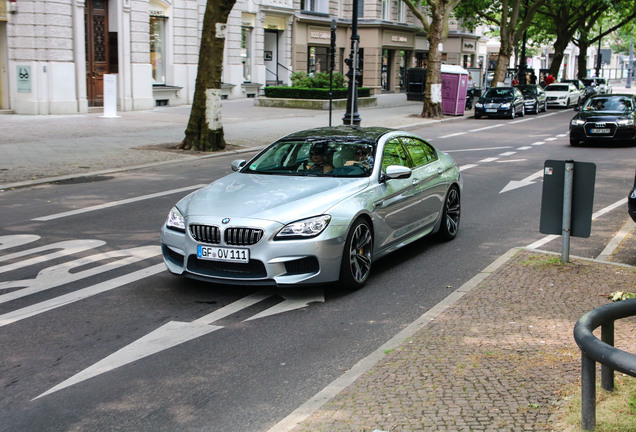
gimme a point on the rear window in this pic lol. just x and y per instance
(557, 88)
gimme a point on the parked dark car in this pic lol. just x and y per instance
(607, 119)
(501, 102)
(631, 201)
(535, 98)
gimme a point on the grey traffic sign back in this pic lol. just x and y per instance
(553, 198)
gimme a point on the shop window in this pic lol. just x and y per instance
(246, 53)
(385, 77)
(157, 49)
(318, 60)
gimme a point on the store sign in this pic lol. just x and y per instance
(285, 4)
(399, 39)
(274, 22)
(469, 45)
(319, 35)
(24, 79)
(157, 9)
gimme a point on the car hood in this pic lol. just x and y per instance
(270, 197)
(606, 116)
(498, 100)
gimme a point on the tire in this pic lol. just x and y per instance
(451, 215)
(512, 113)
(357, 258)
(567, 104)
(574, 142)
(477, 116)
(536, 108)
(523, 111)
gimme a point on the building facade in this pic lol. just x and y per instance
(56, 55)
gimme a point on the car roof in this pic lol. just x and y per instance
(358, 133)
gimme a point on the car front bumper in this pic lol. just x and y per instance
(271, 262)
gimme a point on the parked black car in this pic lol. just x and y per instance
(501, 102)
(631, 201)
(535, 98)
(608, 119)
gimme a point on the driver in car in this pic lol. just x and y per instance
(319, 156)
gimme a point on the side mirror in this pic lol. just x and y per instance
(238, 164)
(396, 172)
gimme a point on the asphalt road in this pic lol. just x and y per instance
(97, 336)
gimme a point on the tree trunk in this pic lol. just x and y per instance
(432, 107)
(503, 60)
(582, 59)
(205, 131)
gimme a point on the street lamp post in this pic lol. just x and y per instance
(598, 53)
(351, 116)
(630, 65)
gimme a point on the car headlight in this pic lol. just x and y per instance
(505, 105)
(302, 229)
(562, 97)
(626, 122)
(577, 122)
(479, 105)
(176, 221)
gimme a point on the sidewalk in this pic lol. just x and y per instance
(497, 355)
(40, 147)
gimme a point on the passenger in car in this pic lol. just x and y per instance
(363, 157)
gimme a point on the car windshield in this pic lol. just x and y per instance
(588, 82)
(528, 91)
(498, 92)
(609, 103)
(559, 88)
(331, 156)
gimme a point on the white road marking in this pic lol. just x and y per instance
(11, 241)
(514, 184)
(551, 139)
(487, 127)
(115, 203)
(452, 135)
(491, 159)
(45, 306)
(507, 153)
(61, 274)
(467, 167)
(175, 333)
(524, 148)
(477, 149)
(63, 248)
(538, 143)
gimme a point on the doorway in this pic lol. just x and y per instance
(97, 49)
(271, 58)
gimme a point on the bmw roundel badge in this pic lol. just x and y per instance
(226, 220)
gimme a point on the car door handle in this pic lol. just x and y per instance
(415, 181)
(440, 171)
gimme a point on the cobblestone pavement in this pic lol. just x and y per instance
(499, 359)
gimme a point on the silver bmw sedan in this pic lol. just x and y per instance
(316, 207)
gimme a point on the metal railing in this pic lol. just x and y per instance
(594, 350)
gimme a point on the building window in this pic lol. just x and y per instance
(246, 53)
(401, 11)
(386, 9)
(158, 49)
(316, 6)
(360, 8)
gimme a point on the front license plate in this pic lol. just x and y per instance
(491, 110)
(223, 254)
(600, 131)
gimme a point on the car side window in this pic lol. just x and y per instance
(421, 153)
(394, 154)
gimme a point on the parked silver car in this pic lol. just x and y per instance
(317, 206)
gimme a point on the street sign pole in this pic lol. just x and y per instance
(567, 211)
